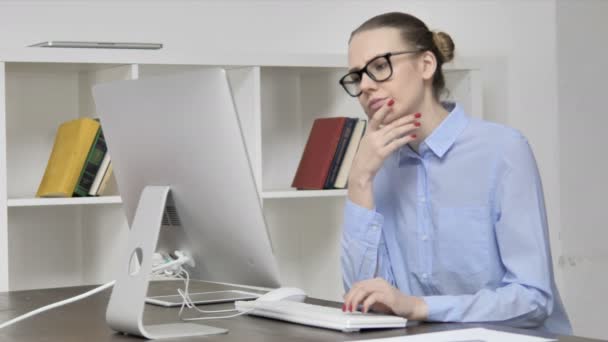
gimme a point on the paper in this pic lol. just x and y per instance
(465, 335)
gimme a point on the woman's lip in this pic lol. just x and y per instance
(376, 104)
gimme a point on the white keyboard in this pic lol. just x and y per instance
(319, 316)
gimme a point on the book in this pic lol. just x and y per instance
(73, 141)
(100, 174)
(105, 180)
(349, 155)
(340, 150)
(91, 166)
(318, 154)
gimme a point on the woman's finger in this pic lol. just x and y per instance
(351, 293)
(400, 122)
(377, 118)
(360, 294)
(348, 297)
(394, 116)
(398, 142)
(357, 299)
(372, 299)
(399, 132)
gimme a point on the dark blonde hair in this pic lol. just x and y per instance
(415, 32)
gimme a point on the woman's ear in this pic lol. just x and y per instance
(429, 65)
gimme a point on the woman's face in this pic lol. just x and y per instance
(407, 83)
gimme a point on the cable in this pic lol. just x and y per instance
(216, 317)
(190, 304)
(171, 264)
(187, 301)
(182, 259)
(58, 304)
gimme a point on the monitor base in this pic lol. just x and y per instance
(128, 299)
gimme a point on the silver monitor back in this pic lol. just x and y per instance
(183, 131)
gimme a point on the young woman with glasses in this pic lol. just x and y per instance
(445, 219)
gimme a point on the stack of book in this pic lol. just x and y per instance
(79, 164)
(329, 153)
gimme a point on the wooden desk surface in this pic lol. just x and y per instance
(85, 320)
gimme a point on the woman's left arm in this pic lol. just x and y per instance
(524, 297)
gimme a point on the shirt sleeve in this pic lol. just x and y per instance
(363, 250)
(524, 297)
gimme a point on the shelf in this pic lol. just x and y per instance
(293, 193)
(38, 202)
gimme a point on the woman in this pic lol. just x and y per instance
(445, 219)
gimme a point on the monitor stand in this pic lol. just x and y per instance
(126, 306)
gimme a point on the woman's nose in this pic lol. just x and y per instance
(367, 83)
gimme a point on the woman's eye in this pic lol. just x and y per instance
(380, 66)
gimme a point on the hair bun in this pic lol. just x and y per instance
(445, 45)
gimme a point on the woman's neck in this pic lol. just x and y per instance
(433, 114)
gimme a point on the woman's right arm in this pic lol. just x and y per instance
(363, 250)
(364, 253)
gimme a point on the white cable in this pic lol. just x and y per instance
(191, 305)
(187, 300)
(58, 304)
(217, 317)
(179, 261)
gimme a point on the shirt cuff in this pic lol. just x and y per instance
(438, 307)
(362, 223)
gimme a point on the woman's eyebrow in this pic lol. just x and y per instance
(366, 63)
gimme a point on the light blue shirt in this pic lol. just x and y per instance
(461, 224)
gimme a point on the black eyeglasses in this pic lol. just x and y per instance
(378, 69)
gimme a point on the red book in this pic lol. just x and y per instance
(319, 153)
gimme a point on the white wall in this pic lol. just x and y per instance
(582, 51)
(514, 41)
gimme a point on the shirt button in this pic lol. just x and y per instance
(424, 276)
(424, 237)
(422, 199)
(374, 227)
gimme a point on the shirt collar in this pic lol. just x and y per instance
(444, 136)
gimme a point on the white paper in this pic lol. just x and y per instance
(465, 335)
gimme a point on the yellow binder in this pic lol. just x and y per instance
(72, 144)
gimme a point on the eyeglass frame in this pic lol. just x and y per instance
(360, 72)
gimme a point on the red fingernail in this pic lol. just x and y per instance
(391, 102)
(343, 307)
(350, 308)
(417, 124)
(418, 115)
(413, 136)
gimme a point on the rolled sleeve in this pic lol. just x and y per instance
(361, 238)
(362, 224)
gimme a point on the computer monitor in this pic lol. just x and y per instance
(180, 134)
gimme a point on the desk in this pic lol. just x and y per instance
(85, 320)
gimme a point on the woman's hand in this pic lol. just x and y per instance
(377, 144)
(378, 295)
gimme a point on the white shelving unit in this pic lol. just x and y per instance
(63, 242)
